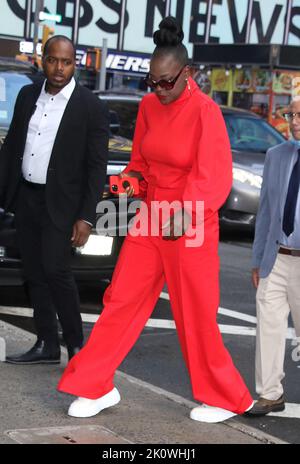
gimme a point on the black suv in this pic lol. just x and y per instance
(250, 137)
(97, 259)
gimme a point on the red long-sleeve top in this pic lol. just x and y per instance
(182, 150)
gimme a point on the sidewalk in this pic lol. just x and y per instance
(29, 401)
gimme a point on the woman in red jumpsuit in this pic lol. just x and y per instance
(182, 152)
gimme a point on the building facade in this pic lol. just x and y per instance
(128, 26)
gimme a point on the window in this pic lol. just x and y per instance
(125, 112)
(250, 134)
(10, 85)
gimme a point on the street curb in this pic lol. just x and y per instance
(233, 423)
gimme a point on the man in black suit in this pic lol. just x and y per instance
(52, 174)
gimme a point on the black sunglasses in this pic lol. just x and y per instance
(163, 83)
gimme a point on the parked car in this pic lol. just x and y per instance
(250, 138)
(13, 76)
(123, 109)
(97, 259)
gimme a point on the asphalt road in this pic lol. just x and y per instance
(156, 357)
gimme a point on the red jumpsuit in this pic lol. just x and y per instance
(183, 152)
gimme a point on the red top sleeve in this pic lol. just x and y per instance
(210, 179)
(137, 162)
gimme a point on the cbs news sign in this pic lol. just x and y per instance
(216, 21)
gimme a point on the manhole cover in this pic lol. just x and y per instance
(86, 434)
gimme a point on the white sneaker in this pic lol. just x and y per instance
(85, 407)
(250, 407)
(211, 414)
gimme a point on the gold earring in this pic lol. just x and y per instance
(188, 84)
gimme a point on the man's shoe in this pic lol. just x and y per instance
(264, 406)
(72, 350)
(41, 353)
(84, 407)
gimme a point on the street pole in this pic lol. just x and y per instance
(230, 91)
(122, 25)
(38, 9)
(102, 80)
(28, 19)
(168, 7)
(288, 22)
(208, 22)
(76, 22)
(249, 20)
(274, 59)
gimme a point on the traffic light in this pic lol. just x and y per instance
(47, 33)
(93, 59)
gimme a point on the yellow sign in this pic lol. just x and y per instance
(261, 81)
(242, 80)
(283, 82)
(220, 80)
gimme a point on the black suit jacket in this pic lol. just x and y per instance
(77, 168)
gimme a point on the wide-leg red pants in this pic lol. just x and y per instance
(192, 276)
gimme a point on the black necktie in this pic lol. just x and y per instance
(291, 199)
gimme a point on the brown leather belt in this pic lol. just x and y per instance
(288, 251)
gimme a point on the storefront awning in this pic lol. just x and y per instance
(281, 56)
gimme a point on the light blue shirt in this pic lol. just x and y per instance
(293, 241)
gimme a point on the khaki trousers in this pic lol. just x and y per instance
(277, 295)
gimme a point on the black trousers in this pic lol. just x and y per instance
(46, 253)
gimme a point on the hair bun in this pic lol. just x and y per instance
(169, 34)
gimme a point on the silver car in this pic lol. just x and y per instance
(250, 138)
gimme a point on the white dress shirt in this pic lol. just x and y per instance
(42, 130)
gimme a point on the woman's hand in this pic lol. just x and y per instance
(130, 189)
(176, 226)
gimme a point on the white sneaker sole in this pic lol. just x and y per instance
(210, 415)
(85, 407)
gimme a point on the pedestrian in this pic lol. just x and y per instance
(52, 174)
(180, 152)
(276, 265)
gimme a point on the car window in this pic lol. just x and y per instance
(251, 134)
(125, 112)
(10, 85)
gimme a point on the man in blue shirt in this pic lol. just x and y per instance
(276, 265)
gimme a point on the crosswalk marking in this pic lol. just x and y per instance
(223, 311)
(154, 323)
(292, 410)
